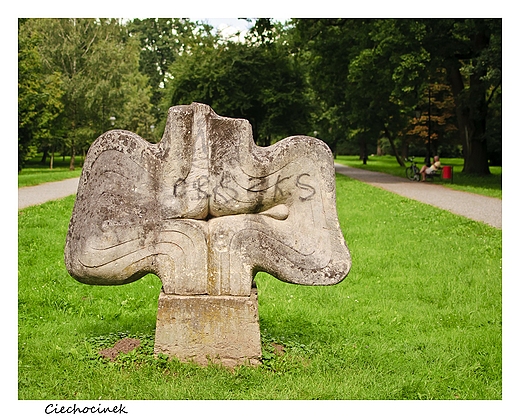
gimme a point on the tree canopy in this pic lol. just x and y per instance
(400, 86)
(257, 80)
(381, 68)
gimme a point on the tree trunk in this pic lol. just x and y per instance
(394, 149)
(471, 111)
(44, 156)
(334, 147)
(379, 151)
(363, 151)
(404, 150)
(471, 121)
(72, 158)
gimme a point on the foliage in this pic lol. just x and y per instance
(411, 321)
(162, 42)
(470, 50)
(355, 83)
(375, 68)
(319, 45)
(434, 127)
(39, 97)
(96, 67)
(256, 80)
(380, 69)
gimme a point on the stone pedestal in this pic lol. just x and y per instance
(220, 329)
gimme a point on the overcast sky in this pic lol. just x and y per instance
(228, 26)
(221, 22)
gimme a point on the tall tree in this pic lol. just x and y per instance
(257, 80)
(162, 41)
(434, 126)
(470, 50)
(39, 97)
(98, 64)
(321, 45)
(368, 74)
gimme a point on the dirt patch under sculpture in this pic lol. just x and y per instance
(122, 346)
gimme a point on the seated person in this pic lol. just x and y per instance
(432, 169)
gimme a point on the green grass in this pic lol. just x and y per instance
(36, 173)
(418, 317)
(488, 186)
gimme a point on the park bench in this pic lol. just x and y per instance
(445, 173)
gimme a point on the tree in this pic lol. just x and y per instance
(98, 64)
(344, 80)
(434, 126)
(368, 76)
(137, 112)
(39, 96)
(365, 72)
(257, 80)
(162, 41)
(470, 51)
(319, 44)
(117, 90)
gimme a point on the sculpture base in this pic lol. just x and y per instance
(203, 329)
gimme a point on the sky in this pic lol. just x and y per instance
(223, 23)
(229, 26)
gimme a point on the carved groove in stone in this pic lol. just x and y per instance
(205, 209)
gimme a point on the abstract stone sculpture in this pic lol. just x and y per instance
(205, 209)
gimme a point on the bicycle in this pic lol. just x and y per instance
(412, 172)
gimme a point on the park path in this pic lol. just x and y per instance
(473, 206)
(479, 208)
(36, 195)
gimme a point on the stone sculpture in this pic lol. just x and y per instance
(205, 209)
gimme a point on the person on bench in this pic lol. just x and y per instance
(425, 170)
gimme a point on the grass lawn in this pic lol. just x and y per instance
(413, 320)
(36, 173)
(488, 186)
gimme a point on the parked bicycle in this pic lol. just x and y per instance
(412, 172)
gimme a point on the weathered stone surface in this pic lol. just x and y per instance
(205, 209)
(220, 329)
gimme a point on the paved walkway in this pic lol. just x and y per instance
(479, 208)
(476, 207)
(36, 195)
